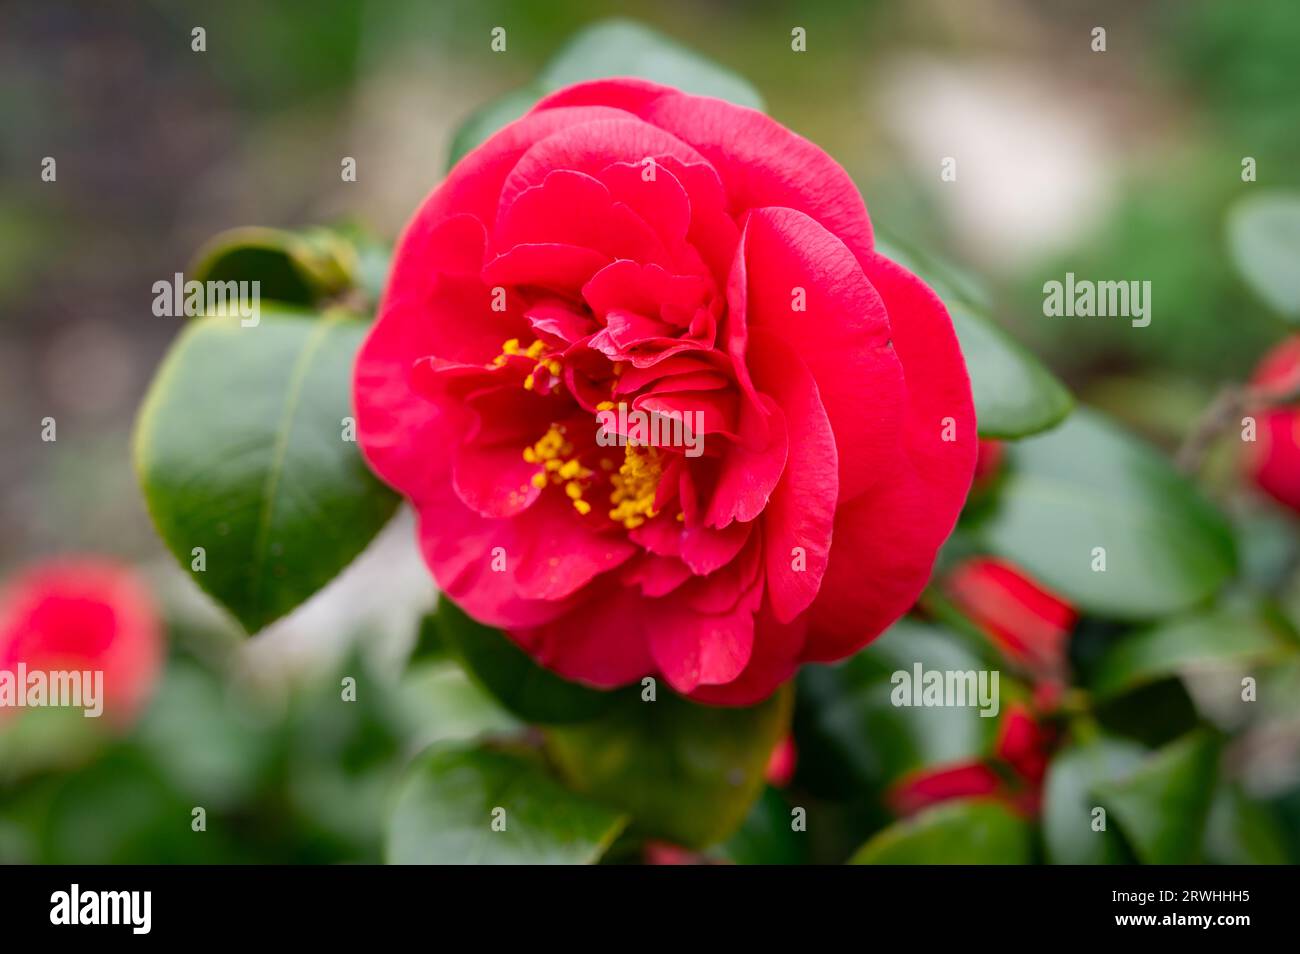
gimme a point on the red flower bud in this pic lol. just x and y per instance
(781, 764)
(1024, 744)
(1027, 622)
(988, 462)
(1272, 461)
(663, 853)
(926, 788)
(82, 614)
(1014, 775)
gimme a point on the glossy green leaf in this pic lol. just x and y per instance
(297, 268)
(625, 48)
(1264, 239)
(522, 686)
(1087, 485)
(612, 47)
(452, 794)
(873, 742)
(1070, 802)
(242, 448)
(686, 773)
(974, 832)
(1205, 641)
(1163, 804)
(1014, 394)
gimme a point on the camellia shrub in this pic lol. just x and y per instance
(692, 449)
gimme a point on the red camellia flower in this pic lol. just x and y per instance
(1273, 460)
(1027, 622)
(84, 614)
(659, 404)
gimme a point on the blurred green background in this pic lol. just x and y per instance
(1119, 165)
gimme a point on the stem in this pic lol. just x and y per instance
(1223, 414)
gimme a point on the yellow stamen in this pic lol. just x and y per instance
(555, 455)
(536, 350)
(635, 485)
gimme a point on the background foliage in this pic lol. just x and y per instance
(451, 720)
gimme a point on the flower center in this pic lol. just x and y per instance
(546, 369)
(634, 485)
(632, 488)
(554, 452)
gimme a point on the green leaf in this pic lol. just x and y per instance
(1208, 640)
(1242, 832)
(956, 833)
(297, 268)
(1087, 484)
(368, 263)
(120, 810)
(1264, 239)
(873, 742)
(207, 737)
(42, 740)
(448, 800)
(1069, 800)
(685, 772)
(1014, 394)
(1162, 805)
(767, 836)
(438, 702)
(240, 449)
(522, 686)
(430, 644)
(624, 48)
(613, 47)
